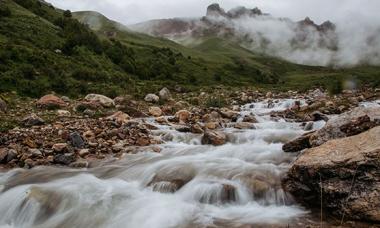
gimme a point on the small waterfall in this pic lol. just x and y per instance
(185, 185)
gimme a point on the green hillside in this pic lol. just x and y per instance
(44, 49)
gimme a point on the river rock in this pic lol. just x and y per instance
(155, 111)
(168, 186)
(64, 159)
(348, 173)
(309, 126)
(197, 129)
(59, 147)
(298, 144)
(183, 116)
(32, 120)
(119, 117)
(215, 138)
(317, 116)
(229, 114)
(101, 99)
(164, 94)
(77, 140)
(250, 119)
(50, 102)
(161, 120)
(152, 98)
(212, 125)
(244, 125)
(3, 154)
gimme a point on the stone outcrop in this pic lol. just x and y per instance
(347, 171)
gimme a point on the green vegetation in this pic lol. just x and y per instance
(44, 49)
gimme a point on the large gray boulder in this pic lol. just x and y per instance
(101, 99)
(345, 172)
(152, 98)
(164, 94)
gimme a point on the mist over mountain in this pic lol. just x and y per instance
(304, 42)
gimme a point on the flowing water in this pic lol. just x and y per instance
(185, 185)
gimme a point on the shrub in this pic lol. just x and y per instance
(5, 11)
(67, 13)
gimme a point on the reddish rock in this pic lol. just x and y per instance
(183, 116)
(50, 101)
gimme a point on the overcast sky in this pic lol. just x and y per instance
(134, 11)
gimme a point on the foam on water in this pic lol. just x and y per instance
(186, 185)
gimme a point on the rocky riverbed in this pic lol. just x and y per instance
(199, 165)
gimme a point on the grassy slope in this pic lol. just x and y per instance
(30, 64)
(215, 52)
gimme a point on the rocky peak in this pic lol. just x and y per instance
(242, 11)
(327, 25)
(324, 27)
(215, 10)
(307, 22)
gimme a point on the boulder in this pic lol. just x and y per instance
(181, 105)
(76, 140)
(50, 102)
(298, 144)
(318, 116)
(32, 120)
(196, 129)
(101, 99)
(168, 186)
(161, 120)
(338, 126)
(64, 159)
(164, 94)
(3, 154)
(345, 172)
(215, 138)
(212, 125)
(119, 117)
(229, 114)
(59, 147)
(152, 98)
(183, 116)
(244, 125)
(155, 111)
(250, 119)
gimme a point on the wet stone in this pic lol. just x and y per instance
(77, 140)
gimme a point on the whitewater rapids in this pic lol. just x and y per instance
(186, 185)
